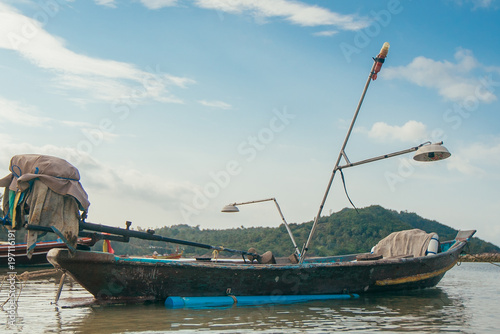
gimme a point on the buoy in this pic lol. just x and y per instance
(206, 302)
(433, 247)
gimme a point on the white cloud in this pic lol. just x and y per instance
(98, 135)
(411, 131)
(11, 146)
(16, 113)
(102, 79)
(482, 4)
(107, 3)
(76, 124)
(97, 176)
(23, 116)
(157, 4)
(293, 11)
(453, 81)
(463, 165)
(326, 33)
(216, 104)
(177, 81)
(476, 158)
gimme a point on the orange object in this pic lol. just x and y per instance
(379, 60)
(106, 247)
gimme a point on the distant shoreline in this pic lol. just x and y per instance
(484, 257)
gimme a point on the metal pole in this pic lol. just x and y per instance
(59, 289)
(257, 201)
(341, 154)
(282, 218)
(385, 156)
(137, 234)
(288, 229)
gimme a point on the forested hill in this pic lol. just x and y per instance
(344, 232)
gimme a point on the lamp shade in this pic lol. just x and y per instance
(230, 208)
(431, 152)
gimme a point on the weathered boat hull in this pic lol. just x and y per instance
(110, 277)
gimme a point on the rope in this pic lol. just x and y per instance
(37, 170)
(477, 257)
(37, 274)
(5, 220)
(14, 173)
(23, 279)
(230, 294)
(467, 252)
(23, 283)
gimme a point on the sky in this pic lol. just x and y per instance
(171, 109)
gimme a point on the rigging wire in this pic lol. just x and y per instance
(345, 190)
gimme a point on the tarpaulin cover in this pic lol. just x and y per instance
(410, 242)
(58, 174)
(48, 191)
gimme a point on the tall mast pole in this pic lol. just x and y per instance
(377, 65)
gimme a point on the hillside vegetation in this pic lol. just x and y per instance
(343, 232)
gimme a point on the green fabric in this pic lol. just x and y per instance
(12, 197)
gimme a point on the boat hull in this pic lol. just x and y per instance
(109, 277)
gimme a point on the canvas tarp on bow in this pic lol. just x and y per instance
(48, 190)
(410, 242)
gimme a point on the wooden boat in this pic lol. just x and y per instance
(176, 255)
(110, 277)
(115, 278)
(39, 257)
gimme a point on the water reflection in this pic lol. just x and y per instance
(466, 301)
(421, 311)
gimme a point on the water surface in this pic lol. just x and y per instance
(467, 300)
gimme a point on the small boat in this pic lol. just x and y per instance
(18, 257)
(156, 255)
(175, 255)
(113, 278)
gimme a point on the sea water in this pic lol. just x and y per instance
(467, 300)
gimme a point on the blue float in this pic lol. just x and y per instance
(206, 302)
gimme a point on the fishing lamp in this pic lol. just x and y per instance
(230, 208)
(431, 152)
(233, 208)
(423, 152)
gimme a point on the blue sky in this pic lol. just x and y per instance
(171, 109)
